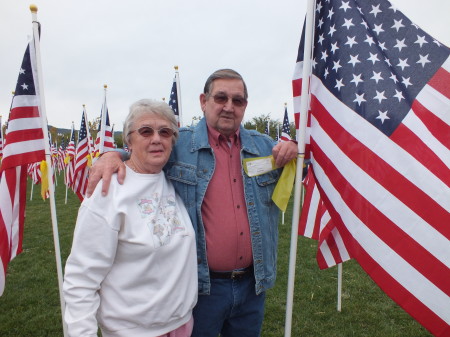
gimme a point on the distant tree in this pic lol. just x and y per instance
(259, 123)
(93, 127)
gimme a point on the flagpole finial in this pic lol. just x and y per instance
(33, 8)
(176, 67)
(105, 86)
(13, 92)
(285, 104)
(164, 99)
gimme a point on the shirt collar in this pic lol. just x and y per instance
(215, 137)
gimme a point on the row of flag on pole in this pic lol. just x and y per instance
(23, 152)
(378, 138)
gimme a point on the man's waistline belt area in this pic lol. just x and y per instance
(233, 275)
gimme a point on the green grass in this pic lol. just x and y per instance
(30, 305)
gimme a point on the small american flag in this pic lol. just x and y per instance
(105, 139)
(286, 131)
(82, 159)
(174, 98)
(379, 127)
(69, 159)
(24, 144)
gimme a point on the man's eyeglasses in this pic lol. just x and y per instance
(148, 131)
(223, 99)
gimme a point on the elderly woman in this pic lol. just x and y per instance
(134, 273)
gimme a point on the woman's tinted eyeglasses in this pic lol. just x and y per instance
(148, 131)
(237, 101)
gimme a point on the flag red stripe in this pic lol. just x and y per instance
(437, 126)
(440, 82)
(24, 135)
(22, 158)
(24, 112)
(409, 249)
(409, 141)
(382, 172)
(297, 87)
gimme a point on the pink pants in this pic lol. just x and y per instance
(183, 331)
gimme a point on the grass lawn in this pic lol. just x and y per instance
(30, 305)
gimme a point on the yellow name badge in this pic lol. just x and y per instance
(257, 166)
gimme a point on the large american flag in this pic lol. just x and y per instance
(82, 159)
(379, 136)
(24, 144)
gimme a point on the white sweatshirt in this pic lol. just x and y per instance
(133, 266)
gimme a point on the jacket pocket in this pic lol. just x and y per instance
(184, 180)
(266, 185)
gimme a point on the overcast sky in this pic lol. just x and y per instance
(133, 46)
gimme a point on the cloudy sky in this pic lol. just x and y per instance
(133, 46)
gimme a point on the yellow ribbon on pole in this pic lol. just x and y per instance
(44, 179)
(284, 186)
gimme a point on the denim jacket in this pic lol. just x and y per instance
(190, 168)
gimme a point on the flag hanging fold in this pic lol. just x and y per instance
(24, 144)
(379, 141)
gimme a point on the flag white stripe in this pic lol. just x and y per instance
(417, 127)
(15, 233)
(314, 205)
(24, 124)
(25, 101)
(395, 210)
(386, 149)
(412, 280)
(343, 252)
(326, 253)
(23, 147)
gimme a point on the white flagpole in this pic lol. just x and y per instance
(339, 288)
(102, 125)
(31, 192)
(40, 94)
(177, 80)
(309, 32)
(65, 166)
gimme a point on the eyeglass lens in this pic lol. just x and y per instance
(147, 131)
(223, 99)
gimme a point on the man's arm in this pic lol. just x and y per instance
(284, 152)
(104, 167)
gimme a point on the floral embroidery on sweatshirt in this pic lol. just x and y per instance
(160, 214)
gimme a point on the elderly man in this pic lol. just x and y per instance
(233, 215)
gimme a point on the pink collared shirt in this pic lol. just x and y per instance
(224, 213)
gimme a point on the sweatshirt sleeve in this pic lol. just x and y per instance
(93, 250)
